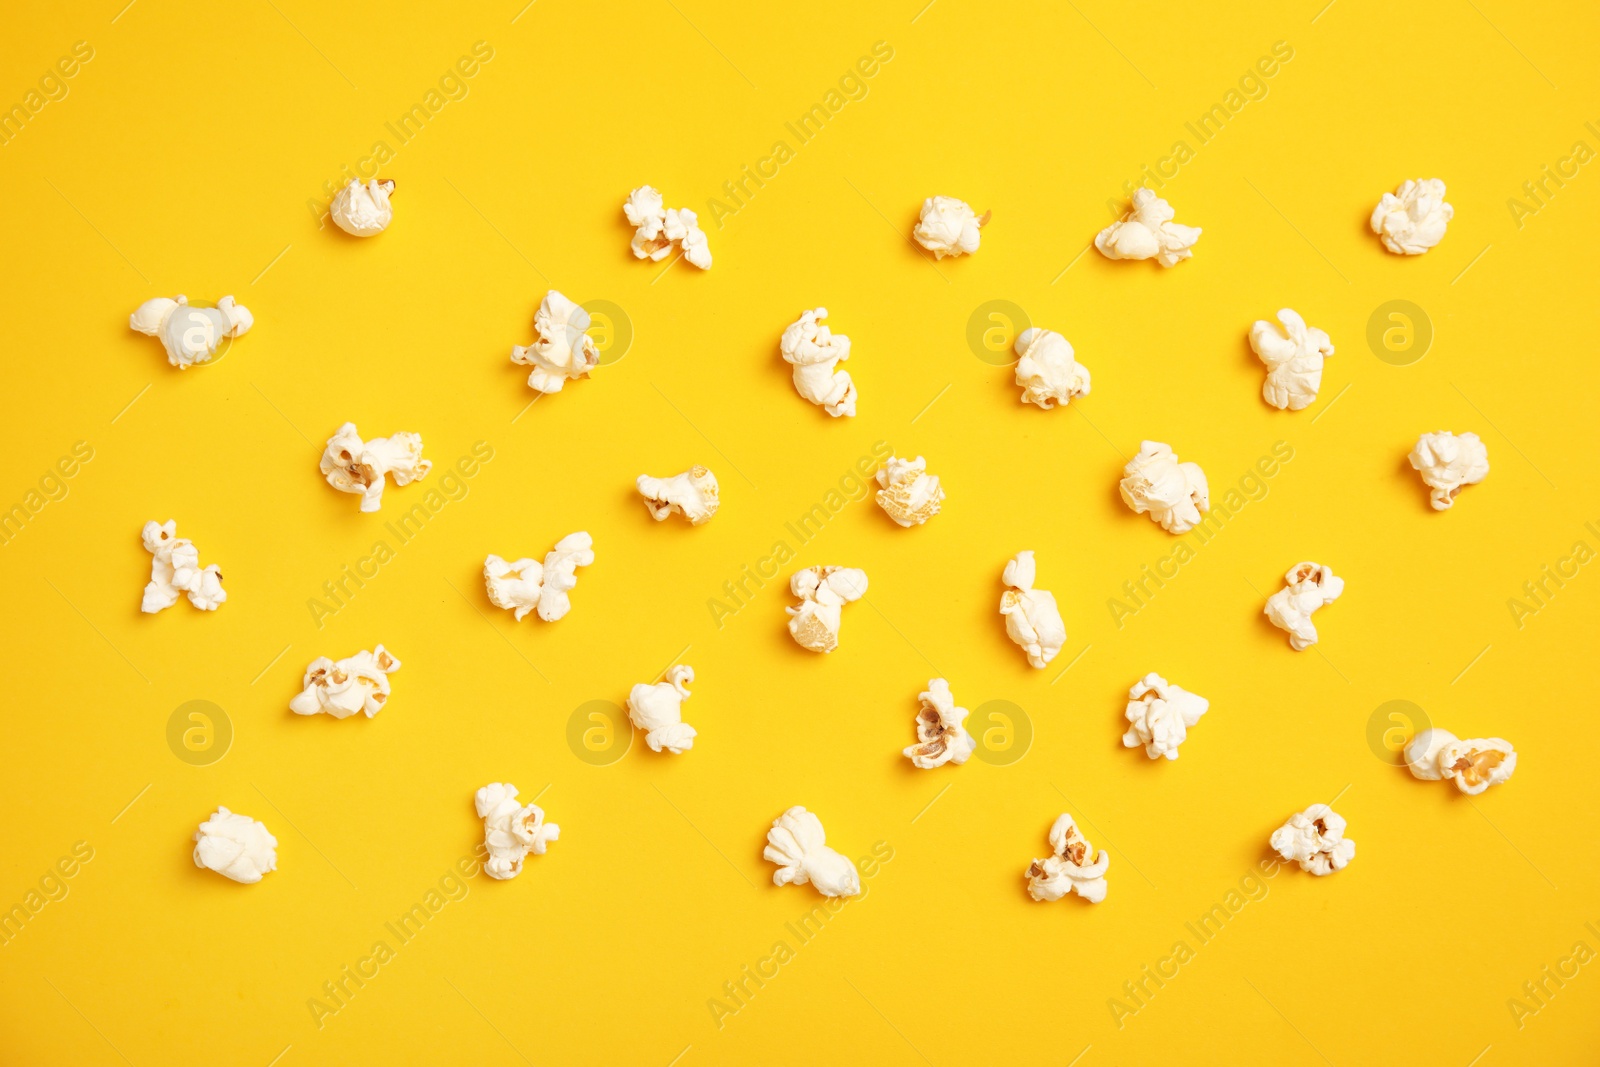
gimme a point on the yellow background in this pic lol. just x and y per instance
(182, 161)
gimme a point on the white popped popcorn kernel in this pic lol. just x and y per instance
(1032, 620)
(941, 736)
(563, 351)
(948, 227)
(1046, 369)
(526, 584)
(510, 830)
(657, 228)
(352, 465)
(1473, 765)
(235, 846)
(798, 845)
(1148, 232)
(190, 334)
(1293, 355)
(815, 352)
(175, 568)
(1314, 839)
(356, 683)
(658, 710)
(907, 492)
(1074, 867)
(363, 210)
(1447, 462)
(1172, 493)
(823, 593)
(1308, 586)
(692, 494)
(1159, 716)
(1412, 219)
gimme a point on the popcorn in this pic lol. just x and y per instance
(1310, 586)
(1174, 494)
(175, 568)
(1160, 714)
(563, 351)
(823, 593)
(658, 228)
(235, 846)
(1314, 839)
(363, 210)
(357, 683)
(1473, 765)
(1293, 356)
(511, 831)
(527, 584)
(1447, 462)
(692, 494)
(941, 737)
(796, 843)
(354, 466)
(1074, 868)
(189, 334)
(1032, 620)
(815, 352)
(948, 227)
(1046, 369)
(1412, 219)
(907, 492)
(658, 709)
(1148, 232)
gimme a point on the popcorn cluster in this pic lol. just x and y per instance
(527, 585)
(658, 229)
(352, 465)
(510, 830)
(356, 683)
(815, 352)
(798, 845)
(175, 568)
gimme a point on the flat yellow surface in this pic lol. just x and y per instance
(189, 153)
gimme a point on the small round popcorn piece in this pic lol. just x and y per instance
(1315, 840)
(1308, 586)
(526, 584)
(941, 736)
(175, 568)
(1293, 355)
(363, 210)
(658, 710)
(798, 845)
(1159, 714)
(1447, 462)
(1032, 620)
(191, 335)
(907, 493)
(235, 846)
(1173, 494)
(948, 227)
(823, 593)
(1046, 369)
(356, 683)
(562, 352)
(510, 830)
(815, 352)
(1148, 232)
(1473, 765)
(1072, 868)
(694, 494)
(1413, 218)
